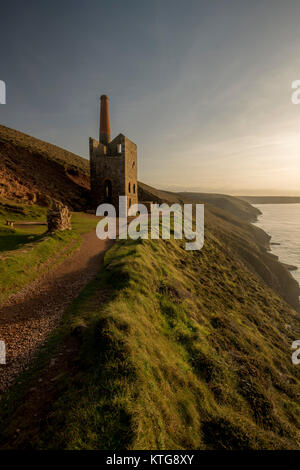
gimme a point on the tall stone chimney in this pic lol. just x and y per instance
(104, 120)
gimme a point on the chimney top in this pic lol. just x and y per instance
(104, 120)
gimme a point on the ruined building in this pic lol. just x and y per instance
(113, 164)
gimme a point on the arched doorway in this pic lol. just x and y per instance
(107, 191)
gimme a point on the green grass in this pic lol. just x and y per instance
(83, 223)
(26, 253)
(24, 266)
(174, 350)
(17, 211)
(12, 239)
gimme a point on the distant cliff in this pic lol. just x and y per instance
(229, 219)
(271, 199)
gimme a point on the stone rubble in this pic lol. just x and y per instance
(58, 217)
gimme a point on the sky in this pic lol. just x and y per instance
(202, 87)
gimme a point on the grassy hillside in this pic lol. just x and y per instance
(228, 218)
(165, 349)
(26, 252)
(49, 151)
(34, 171)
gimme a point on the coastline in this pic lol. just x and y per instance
(287, 280)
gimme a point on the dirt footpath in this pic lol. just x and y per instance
(27, 317)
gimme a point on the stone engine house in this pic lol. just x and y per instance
(113, 164)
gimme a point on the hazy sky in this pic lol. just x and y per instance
(202, 87)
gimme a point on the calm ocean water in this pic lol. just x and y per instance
(282, 222)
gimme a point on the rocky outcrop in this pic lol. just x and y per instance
(58, 217)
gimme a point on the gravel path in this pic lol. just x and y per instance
(27, 318)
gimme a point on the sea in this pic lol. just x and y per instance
(282, 222)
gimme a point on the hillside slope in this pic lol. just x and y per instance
(166, 349)
(228, 218)
(34, 171)
(235, 206)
